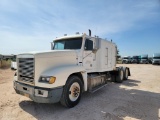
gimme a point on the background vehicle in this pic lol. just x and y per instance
(144, 59)
(135, 59)
(156, 58)
(75, 64)
(1, 56)
(13, 63)
(7, 57)
(150, 59)
(126, 60)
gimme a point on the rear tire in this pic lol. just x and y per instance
(126, 73)
(120, 76)
(72, 92)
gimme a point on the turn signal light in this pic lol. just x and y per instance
(52, 80)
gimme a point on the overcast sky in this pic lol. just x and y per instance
(30, 25)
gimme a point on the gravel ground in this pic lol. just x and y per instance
(136, 98)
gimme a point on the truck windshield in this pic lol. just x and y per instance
(135, 57)
(156, 57)
(144, 57)
(71, 43)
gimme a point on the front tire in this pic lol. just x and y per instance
(72, 92)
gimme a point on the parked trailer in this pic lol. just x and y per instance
(75, 64)
(156, 58)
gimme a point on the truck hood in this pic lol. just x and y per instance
(50, 53)
(47, 60)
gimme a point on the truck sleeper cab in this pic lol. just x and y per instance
(75, 64)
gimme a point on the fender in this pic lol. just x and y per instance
(62, 73)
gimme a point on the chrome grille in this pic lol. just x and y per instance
(26, 70)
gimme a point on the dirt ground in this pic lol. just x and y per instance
(136, 98)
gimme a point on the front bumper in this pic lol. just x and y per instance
(134, 61)
(144, 62)
(39, 94)
(156, 62)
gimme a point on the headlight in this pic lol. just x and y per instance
(47, 79)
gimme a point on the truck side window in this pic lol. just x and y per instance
(88, 45)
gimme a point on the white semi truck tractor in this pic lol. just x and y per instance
(75, 64)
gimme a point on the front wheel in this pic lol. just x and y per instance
(72, 92)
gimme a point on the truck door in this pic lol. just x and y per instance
(88, 55)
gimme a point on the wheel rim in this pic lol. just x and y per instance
(74, 91)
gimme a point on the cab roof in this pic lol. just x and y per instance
(69, 36)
